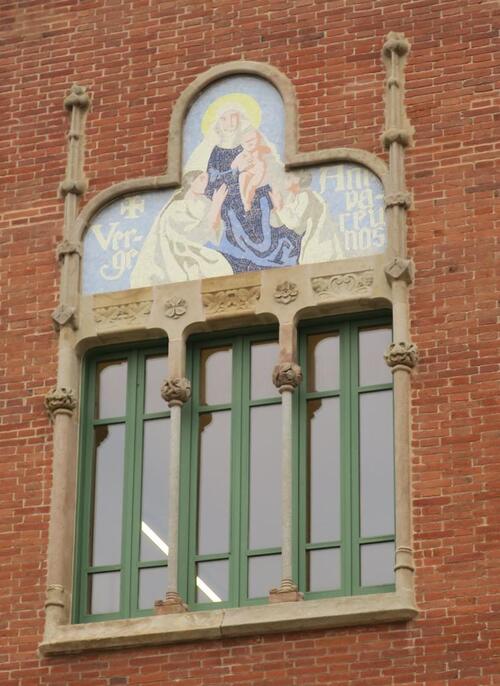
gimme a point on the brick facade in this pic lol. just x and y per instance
(136, 58)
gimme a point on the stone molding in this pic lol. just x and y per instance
(74, 186)
(286, 292)
(401, 355)
(124, 313)
(400, 269)
(401, 199)
(65, 247)
(175, 308)
(288, 592)
(341, 285)
(287, 376)
(176, 390)
(60, 401)
(78, 97)
(231, 300)
(396, 135)
(55, 596)
(64, 315)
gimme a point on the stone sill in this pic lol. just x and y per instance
(228, 623)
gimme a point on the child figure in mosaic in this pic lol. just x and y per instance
(251, 164)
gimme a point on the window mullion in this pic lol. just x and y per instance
(349, 478)
(240, 471)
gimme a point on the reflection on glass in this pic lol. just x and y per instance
(377, 564)
(324, 469)
(264, 356)
(212, 581)
(152, 586)
(216, 375)
(111, 393)
(213, 482)
(323, 362)
(265, 477)
(156, 373)
(154, 514)
(108, 494)
(264, 573)
(372, 345)
(104, 592)
(324, 569)
(376, 463)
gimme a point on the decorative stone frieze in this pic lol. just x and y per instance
(398, 268)
(287, 376)
(401, 355)
(63, 315)
(286, 292)
(60, 401)
(231, 301)
(401, 199)
(175, 308)
(176, 390)
(78, 97)
(342, 285)
(123, 314)
(65, 247)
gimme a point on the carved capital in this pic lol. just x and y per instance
(397, 43)
(63, 315)
(54, 596)
(395, 135)
(398, 268)
(172, 604)
(176, 390)
(401, 355)
(78, 97)
(65, 247)
(286, 593)
(401, 199)
(287, 376)
(60, 401)
(286, 292)
(74, 186)
(175, 308)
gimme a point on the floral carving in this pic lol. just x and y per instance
(176, 390)
(286, 292)
(60, 400)
(232, 300)
(127, 313)
(287, 376)
(401, 354)
(341, 285)
(175, 308)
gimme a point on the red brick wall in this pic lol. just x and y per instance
(136, 57)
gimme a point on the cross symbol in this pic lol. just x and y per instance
(132, 207)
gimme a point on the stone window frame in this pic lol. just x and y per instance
(177, 310)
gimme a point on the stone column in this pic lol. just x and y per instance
(286, 378)
(175, 391)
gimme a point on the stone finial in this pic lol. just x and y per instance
(398, 268)
(287, 376)
(60, 401)
(396, 42)
(65, 247)
(176, 390)
(286, 292)
(78, 97)
(401, 355)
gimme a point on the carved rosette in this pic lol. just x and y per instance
(286, 292)
(399, 268)
(401, 355)
(287, 376)
(343, 285)
(231, 301)
(60, 401)
(175, 308)
(176, 390)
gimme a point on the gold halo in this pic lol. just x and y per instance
(240, 101)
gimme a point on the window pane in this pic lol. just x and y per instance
(108, 494)
(111, 389)
(154, 515)
(264, 356)
(377, 564)
(212, 581)
(216, 375)
(265, 477)
(214, 479)
(156, 373)
(104, 592)
(376, 463)
(372, 345)
(324, 470)
(264, 573)
(152, 586)
(323, 362)
(324, 569)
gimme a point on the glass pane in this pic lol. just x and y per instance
(264, 573)
(154, 515)
(214, 478)
(264, 357)
(212, 581)
(372, 345)
(104, 592)
(377, 564)
(156, 373)
(324, 469)
(108, 494)
(152, 586)
(376, 463)
(323, 362)
(324, 569)
(216, 375)
(265, 477)
(111, 389)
